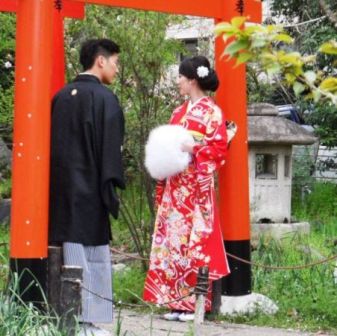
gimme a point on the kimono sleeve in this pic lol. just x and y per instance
(111, 154)
(211, 155)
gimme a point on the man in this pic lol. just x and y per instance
(86, 167)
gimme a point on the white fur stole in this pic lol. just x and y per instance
(163, 154)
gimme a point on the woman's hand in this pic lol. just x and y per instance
(187, 147)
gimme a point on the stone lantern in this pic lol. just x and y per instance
(270, 164)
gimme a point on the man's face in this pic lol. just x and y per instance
(109, 68)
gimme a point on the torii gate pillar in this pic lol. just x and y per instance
(29, 214)
(234, 176)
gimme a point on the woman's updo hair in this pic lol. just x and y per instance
(198, 68)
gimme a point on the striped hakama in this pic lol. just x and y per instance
(97, 277)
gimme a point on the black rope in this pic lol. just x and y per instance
(319, 262)
(112, 301)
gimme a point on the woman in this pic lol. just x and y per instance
(187, 232)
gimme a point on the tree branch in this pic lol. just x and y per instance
(329, 13)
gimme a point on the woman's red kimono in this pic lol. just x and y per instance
(187, 230)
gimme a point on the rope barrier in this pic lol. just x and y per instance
(200, 287)
(112, 301)
(296, 267)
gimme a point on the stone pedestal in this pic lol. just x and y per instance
(247, 304)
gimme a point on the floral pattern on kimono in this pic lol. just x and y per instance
(187, 231)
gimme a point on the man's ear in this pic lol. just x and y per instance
(100, 61)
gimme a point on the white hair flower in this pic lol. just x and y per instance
(8, 65)
(202, 71)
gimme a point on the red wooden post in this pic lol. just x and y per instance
(30, 191)
(30, 172)
(234, 176)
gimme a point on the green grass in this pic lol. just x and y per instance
(307, 299)
(18, 318)
(128, 285)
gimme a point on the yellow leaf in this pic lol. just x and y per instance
(309, 58)
(317, 95)
(284, 38)
(268, 56)
(329, 47)
(291, 58)
(274, 28)
(329, 84)
(222, 27)
(238, 21)
(290, 78)
(253, 29)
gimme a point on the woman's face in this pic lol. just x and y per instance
(184, 85)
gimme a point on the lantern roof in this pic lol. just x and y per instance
(266, 127)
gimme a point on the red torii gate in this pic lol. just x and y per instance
(34, 65)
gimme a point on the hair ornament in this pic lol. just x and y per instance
(202, 71)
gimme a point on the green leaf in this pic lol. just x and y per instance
(236, 46)
(316, 95)
(238, 21)
(223, 27)
(310, 76)
(273, 69)
(298, 88)
(243, 58)
(259, 42)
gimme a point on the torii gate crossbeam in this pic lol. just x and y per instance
(218, 9)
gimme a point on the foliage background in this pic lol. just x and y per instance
(7, 56)
(308, 37)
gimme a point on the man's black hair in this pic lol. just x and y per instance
(96, 47)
